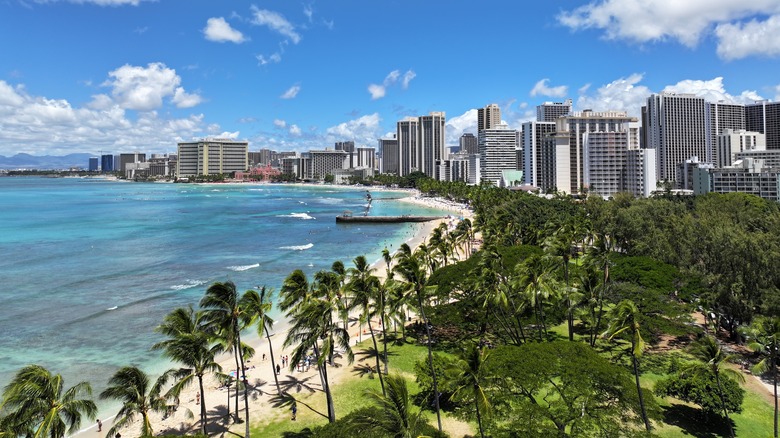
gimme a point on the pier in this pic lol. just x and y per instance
(385, 219)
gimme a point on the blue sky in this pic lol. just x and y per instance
(124, 75)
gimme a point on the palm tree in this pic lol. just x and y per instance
(257, 308)
(295, 291)
(625, 320)
(558, 246)
(222, 318)
(38, 407)
(467, 375)
(536, 281)
(189, 344)
(134, 389)
(600, 256)
(764, 338)
(712, 356)
(396, 418)
(313, 328)
(412, 270)
(365, 288)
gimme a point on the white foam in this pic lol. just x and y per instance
(304, 216)
(112, 308)
(190, 284)
(299, 247)
(243, 268)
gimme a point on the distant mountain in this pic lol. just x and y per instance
(27, 161)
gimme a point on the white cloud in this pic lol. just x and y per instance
(291, 92)
(231, 135)
(39, 125)
(276, 22)
(458, 125)
(295, 131)
(541, 89)
(262, 60)
(740, 40)
(627, 94)
(279, 123)
(712, 91)
(378, 91)
(623, 94)
(308, 11)
(658, 20)
(143, 88)
(408, 76)
(219, 30)
(363, 130)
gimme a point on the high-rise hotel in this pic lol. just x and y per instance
(421, 144)
(212, 156)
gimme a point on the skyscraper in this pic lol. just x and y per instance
(764, 117)
(488, 117)
(720, 117)
(550, 111)
(469, 144)
(106, 163)
(408, 152)
(497, 152)
(388, 155)
(676, 127)
(421, 143)
(533, 134)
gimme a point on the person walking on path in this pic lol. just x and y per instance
(100, 425)
(294, 411)
(278, 369)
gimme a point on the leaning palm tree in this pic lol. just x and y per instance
(537, 284)
(395, 414)
(467, 375)
(190, 345)
(713, 359)
(364, 287)
(257, 310)
(38, 407)
(625, 320)
(222, 318)
(764, 338)
(138, 395)
(412, 270)
(313, 328)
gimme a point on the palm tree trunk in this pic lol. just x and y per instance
(238, 377)
(774, 384)
(723, 404)
(479, 418)
(639, 389)
(323, 369)
(202, 406)
(430, 360)
(273, 363)
(245, 382)
(378, 365)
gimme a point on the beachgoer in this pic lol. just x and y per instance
(197, 398)
(100, 425)
(294, 411)
(263, 357)
(278, 369)
(118, 436)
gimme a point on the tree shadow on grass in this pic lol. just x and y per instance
(287, 400)
(292, 383)
(371, 353)
(694, 422)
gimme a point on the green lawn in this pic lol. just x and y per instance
(347, 395)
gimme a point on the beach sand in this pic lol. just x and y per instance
(261, 373)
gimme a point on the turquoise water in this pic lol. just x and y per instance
(88, 268)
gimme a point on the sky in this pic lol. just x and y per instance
(112, 76)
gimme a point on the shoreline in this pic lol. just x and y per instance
(260, 373)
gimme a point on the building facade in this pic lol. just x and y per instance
(764, 117)
(497, 152)
(388, 155)
(730, 142)
(488, 117)
(676, 127)
(550, 111)
(468, 143)
(212, 156)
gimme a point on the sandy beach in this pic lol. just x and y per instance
(260, 373)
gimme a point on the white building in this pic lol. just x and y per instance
(323, 162)
(497, 152)
(731, 142)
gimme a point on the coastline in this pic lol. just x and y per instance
(260, 373)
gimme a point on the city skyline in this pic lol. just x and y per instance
(119, 75)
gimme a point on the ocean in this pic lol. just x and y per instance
(89, 267)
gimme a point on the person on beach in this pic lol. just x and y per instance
(100, 425)
(197, 398)
(278, 369)
(294, 411)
